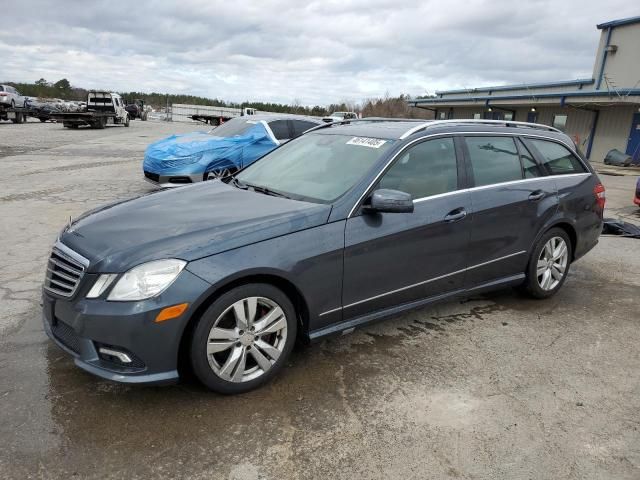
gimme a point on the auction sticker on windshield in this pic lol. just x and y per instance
(367, 142)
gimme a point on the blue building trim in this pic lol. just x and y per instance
(604, 58)
(592, 133)
(563, 83)
(632, 92)
(618, 23)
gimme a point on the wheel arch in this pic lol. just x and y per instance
(564, 224)
(278, 281)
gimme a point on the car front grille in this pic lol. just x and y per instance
(64, 271)
(66, 335)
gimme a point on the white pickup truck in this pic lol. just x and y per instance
(103, 108)
(340, 116)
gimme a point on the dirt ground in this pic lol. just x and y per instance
(495, 386)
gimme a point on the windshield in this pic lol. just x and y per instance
(233, 128)
(338, 114)
(316, 167)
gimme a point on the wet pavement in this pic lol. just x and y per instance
(498, 386)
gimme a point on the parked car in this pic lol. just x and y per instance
(342, 226)
(340, 116)
(182, 159)
(11, 98)
(636, 197)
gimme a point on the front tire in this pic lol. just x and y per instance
(243, 339)
(549, 264)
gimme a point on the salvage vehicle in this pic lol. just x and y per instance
(636, 197)
(183, 159)
(11, 98)
(345, 225)
(102, 108)
(339, 116)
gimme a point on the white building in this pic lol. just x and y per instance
(600, 113)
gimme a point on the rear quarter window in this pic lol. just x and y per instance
(557, 159)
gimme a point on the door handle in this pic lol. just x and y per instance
(455, 215)
(537, 195)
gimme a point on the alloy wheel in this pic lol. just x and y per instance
(552, 263)
(221, 173)
(247, 339)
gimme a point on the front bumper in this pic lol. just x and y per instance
(170, 181)
(80, 326)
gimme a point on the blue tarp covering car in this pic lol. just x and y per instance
(197, 156)
(194, 156)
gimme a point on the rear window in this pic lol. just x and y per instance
(234, 127)
(493, 160)
(558, 160)
(280, 129)
(300, 126)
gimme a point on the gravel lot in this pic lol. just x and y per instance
(497, 386)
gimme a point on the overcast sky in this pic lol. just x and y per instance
(316, 52)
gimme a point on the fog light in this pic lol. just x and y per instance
(171, 312)
(123, 357)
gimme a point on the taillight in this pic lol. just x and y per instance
(3, 94)
(599, 192)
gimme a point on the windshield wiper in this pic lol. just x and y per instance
(267, 191)
(238, 184)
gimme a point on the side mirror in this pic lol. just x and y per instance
(390, 201)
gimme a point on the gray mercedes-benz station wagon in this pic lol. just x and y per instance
(351, 222)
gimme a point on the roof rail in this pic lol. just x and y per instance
(470, 121)
(366, 119)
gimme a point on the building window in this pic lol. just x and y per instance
(508, 116)
(443, 115)
(560, 122)
(477, 116)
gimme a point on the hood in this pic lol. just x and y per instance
(186, 223)
(200, 151)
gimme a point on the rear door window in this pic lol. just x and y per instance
(529, 165)
(280, 129)
(493, 160)
(557, 159)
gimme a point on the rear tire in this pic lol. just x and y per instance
(126, 121)
(233, 353)
(549, 264)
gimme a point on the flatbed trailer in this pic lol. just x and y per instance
(103, 108)
(16, 114)
(90, 118)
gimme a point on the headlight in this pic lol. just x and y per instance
(146, 280)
